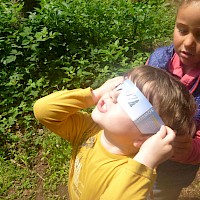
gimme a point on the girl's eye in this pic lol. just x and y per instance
(197, 36)
(182, 31)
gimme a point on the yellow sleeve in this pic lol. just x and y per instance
(133, 183)
(59, 112)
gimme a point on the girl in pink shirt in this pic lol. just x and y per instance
(181, 59)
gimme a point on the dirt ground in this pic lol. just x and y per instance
(61, 192)
(190, 193)
(193, 191)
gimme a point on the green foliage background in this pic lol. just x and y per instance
(64, 45)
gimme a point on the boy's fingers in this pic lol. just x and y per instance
(162, 132)
(166, 133)
(170, 134)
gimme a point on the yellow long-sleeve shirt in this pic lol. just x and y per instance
(95, 173)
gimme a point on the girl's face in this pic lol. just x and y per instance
(113, 119)
(187, 34)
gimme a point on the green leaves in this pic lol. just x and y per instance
(9, 59)
(65, 45)
(68, 44)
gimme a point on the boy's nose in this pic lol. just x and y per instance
(113, 95)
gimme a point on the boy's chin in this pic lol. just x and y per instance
(94, 115)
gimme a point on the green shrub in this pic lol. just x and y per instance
(63, 45)
(68, 44)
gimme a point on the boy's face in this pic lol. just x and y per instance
(112, 118)
(187, 34)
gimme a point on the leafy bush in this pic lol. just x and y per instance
(63, 45)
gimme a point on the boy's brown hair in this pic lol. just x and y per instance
(169, 97)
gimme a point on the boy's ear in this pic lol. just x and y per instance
(138, 143)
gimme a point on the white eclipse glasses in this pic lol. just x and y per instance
(138, 108)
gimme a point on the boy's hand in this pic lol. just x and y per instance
(157, 148)
(108, 86)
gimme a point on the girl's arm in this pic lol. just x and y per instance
(187, 149)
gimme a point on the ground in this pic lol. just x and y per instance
(193, 191)
(59, 192)
(190, 193)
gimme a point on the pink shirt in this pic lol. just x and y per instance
(188, 79)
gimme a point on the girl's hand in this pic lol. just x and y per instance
(157, 148)
(182, 147)
(108, 86)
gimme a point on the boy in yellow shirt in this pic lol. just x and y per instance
(107, 161)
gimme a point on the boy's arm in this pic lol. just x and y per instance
(59, 111)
